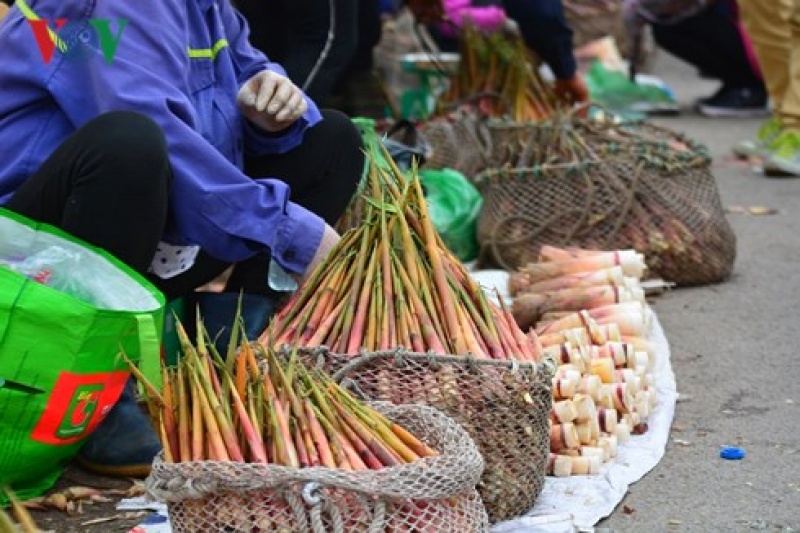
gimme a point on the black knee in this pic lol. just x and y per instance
(341, 128)
(129, 141)
(340, 132)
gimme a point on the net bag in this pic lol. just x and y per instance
(503, 406)
(606, 186)
(432, 494)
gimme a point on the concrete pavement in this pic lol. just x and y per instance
(736, 356)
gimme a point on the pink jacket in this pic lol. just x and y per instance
(488, 18)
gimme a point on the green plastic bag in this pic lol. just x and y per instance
(615, 91)
(454, 204)
(66, 310)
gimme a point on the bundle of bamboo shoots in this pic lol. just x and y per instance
(255, 407)
(500, 70)
(603, 390)
(391, 282)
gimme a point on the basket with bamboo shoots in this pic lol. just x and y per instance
(391, 286)
(497, 81)
(254, 442)
(600, 185)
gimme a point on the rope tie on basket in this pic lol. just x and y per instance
(378, 524)
(352, 386)
(316, 502)
(297, 506)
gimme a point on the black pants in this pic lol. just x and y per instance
(294, 34)
(108, 184)
(712, 42)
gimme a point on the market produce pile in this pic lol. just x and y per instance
(498, 73)
(589, 312)
(253, 407)
(392, 282)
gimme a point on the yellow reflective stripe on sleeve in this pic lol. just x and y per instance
(208, 53)
(28, 13)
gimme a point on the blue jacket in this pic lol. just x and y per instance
(180, 62)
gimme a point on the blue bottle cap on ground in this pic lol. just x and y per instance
(731, 452)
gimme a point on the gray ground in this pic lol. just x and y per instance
(735, 357)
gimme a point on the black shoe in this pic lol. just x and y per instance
(125, 443)
(741, 102)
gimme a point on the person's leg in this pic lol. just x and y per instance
(720, 53)
(742, 92)
(783, 154)
(767, 23)
(108, 184)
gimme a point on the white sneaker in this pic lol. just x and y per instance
(783, 157)
(767, 133)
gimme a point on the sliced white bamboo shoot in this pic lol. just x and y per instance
(607, 419)
(585, 407)
(584, 432)
(621, 395)
(586, 466)
(623, 432)
(565, 411)
(563, 389)
(604, 369)
(593, 386)
(563, 436)
(609, 445)
(559, 465)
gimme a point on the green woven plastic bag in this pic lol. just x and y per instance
(66, 311)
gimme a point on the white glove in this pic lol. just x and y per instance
(271, 101)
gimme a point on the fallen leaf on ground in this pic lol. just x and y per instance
(628, 510)
(755, 210)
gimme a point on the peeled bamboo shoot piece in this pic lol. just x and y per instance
(607, 418)
(606, 399)
(603, 368)
(563, 389)
(591, 385)
(584, 432)
(606, 276)
(621, 353)
(586, 466)
(565, 411)
(559, 465)
(563, 436)
(623, 432)
(585, 408)
(578, 260)
(609, 445)
(621, 395)
(593, 451)
(610, 332)
(643, 359)
(639, 344)
(570, 372)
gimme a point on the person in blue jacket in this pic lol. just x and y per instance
(155, 131)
